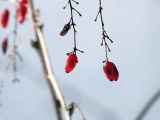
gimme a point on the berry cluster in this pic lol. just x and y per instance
(109, 68)
(21, 12)
(21, 9)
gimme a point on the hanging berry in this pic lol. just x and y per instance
(23, 2)
(109, 68)
(111, 71)
(5, 18)
(72, 60)
(21, 13)
(4, 45)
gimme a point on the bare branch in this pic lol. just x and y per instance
(72, 23)
(148, 106)
(104, 33)
(56, 94)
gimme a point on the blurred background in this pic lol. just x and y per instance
(134, 27)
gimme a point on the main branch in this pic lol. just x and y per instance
(39, 44)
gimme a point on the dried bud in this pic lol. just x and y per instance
(4, 45)
(65, 29)
(5, 18)
(72, 60)
(111, 71)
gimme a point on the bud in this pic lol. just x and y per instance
(65, 29)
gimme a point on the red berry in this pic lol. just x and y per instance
(5, 18)
(111, 71)
(72, 60)
(21, 13)
(5, 45)
(22, 2)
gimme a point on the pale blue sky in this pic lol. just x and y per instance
(134, 27)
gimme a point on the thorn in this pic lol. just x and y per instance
(67, 54)
(100, 8)
(77, 11)
(109, 39)
(108, 47)
(75, 49)
(97, 16)
(102, 42)
(80, 51)
(75, 2)
(66, 6)
(104, 61)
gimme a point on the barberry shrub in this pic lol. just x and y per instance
(22, 8)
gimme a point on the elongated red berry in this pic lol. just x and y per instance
(21, 13)
(5, 18)
(4, 45)
(111, 71)
(72, 60)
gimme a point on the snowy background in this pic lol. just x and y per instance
(134, 27)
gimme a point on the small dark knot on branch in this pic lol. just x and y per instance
(35, 44)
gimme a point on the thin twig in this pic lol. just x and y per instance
(73, 106)
(14, 53)
(72, 23)
(104, 33)
(148, 106)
